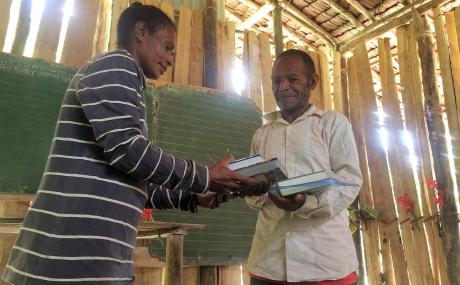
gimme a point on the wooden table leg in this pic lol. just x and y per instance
(174, 258)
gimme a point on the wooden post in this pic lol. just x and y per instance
(78, 44)
(208, 275)
(380, 178)
(436, 135)
(229, 274)
(344, 78)
(191, 275)
(416, 252)
(168, 9)
(196, 50)
(228, 55)
(49, 30)
(210, 44)
(325, 83)
(4, 20)
(117, 7)
(182, 58)
(252, 64)
(337, 70)
(23, 28)
(370, 230)
(278, 29)
(174, 258)
(269, 101)
(102, 35)
(454, 53)
(316, 95)
(451, 236)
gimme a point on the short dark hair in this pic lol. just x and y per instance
(154, 18)
(306, 58)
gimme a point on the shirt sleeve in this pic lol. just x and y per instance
(344, 162)
(110, 95)
(256, 202)
(161, 198)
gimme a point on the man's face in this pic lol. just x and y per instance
(155, 51)
(290, 84)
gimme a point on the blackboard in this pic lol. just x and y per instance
(192, 123)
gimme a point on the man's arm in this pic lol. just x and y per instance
(344, 162)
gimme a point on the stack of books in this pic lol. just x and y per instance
(311, 183)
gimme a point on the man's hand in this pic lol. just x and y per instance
(224, 181)
(288, 203)
(208, 200)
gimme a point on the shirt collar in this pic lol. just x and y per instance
(278, 118)
(139, 68)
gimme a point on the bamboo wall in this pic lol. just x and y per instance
(415, 237)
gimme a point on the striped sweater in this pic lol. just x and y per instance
(101, 170)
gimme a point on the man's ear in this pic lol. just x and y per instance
(313, 81)
(140, 31)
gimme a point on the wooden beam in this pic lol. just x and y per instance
(389, 22)
(347, 14)
(392, 250)
(49, 30)
(316, 95)
(196, 50)
(257, 16)
(436, 135)
(361, 9)
(337, 71)
(4, 20)
(228, 55)
(210, 45)
(451, 235)
(174, 259)
(182, 58)
(118, 6)
(325, 82)
(168, 9)
(269, 102)
(278, 30)
(294, 13)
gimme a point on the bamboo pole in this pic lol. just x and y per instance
(48, 31)
(412, 232)
(451, 236)
(337, 70)
(380, 177)
(436, 135)
(369, 230)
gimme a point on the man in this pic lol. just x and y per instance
(304, 238)
(81, 228)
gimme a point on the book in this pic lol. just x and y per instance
(312, 183)
(255, 165)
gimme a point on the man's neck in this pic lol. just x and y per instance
(291, 117)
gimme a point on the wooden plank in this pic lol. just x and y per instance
(210, 44)
(168, 9)
(117, 7)
(147, 276)
(143, 259)
(196, 50)
(253, 69)
(436, 135)
(451, 235)
(370, 230)
(245, 272)
(174, 259)
(413, 236)
(269, 101)
(49, 31)
(220, 54)
(78, 43)
(191, 275)
(316, 95)
(344, 78)
(380, 178)
(23, 28)
(208, 275)
(278, 30)
(337, 70)
(454, 53)
(229, 55)
(4, 20)
(325, 82)
(102, 35)
(182, 58)
(229, 274)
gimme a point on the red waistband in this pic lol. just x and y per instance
(347, 280)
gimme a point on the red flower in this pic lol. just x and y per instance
(147, 214)
(439, 199)
(405, 202)
(432, 183)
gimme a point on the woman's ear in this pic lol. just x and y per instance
(313, 81)
(140, 31)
